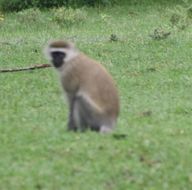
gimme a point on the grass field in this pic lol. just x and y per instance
(154, 78)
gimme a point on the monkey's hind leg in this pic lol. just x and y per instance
(92, 115)
(106, 129)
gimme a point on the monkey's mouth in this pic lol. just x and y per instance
(57, 63)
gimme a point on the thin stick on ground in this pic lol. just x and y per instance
(40, 66)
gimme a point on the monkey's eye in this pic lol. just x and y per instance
(58, 58)
(58, 55)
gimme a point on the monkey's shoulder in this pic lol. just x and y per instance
(84, 64)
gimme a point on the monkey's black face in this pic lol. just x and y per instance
(58, 58)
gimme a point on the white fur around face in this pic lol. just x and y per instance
(70, 53)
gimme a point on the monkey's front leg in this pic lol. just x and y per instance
(71, 123)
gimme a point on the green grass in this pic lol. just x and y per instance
(154, 78)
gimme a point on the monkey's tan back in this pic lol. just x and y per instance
(86, 75)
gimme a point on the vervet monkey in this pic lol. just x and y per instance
(91, 92)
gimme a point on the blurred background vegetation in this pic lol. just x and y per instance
(17, 5)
